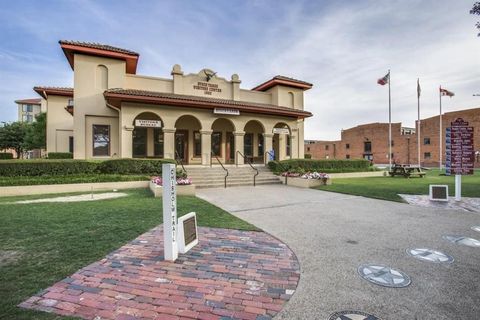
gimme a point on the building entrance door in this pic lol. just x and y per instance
(230, 154)
(139, 143)
(181, 145)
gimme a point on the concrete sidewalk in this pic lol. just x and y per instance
(333, 234)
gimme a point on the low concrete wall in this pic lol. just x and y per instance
(357, 174)
(305, 183)
(182, 190)
(73, 187)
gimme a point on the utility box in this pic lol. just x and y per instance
(438, 192)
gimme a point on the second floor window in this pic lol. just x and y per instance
(367, 146)
(426, 141)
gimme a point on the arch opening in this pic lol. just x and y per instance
(223, 140)
(254, 141)
(147, 136)
(282, 141)
(188, 140)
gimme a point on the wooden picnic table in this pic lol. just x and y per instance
(406, 171)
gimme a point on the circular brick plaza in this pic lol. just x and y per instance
(230, 274)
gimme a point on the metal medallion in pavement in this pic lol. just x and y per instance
(476, 228)
(352, 315)
(384, 276)
(463, 240)
(430, 255)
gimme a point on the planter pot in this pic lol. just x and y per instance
(307, 183)
(182, 190)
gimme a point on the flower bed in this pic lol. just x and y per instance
(184, 186)
(307, 180)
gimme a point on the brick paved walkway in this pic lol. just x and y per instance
(231, 274)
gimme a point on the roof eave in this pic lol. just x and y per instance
(131, 60)
(116, 99)
(274, 82)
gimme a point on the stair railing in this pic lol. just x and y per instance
(279, 163)
(226, 170)
(251, 166)
(179, 161)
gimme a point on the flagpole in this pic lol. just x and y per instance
(440, 126)
(418, 121)
(389, 122)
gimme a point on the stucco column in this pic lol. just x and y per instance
(282, 146)
(126, 139)
(239, 136)
(150, 142)
(268, 145)
(206, 146)
(294, 147)
(168, 143)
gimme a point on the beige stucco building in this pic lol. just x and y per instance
(28, 109)
(112, 112)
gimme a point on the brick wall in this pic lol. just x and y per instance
(404, 149)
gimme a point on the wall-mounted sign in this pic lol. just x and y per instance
(281, 130)
(148, 123)
(207, 87)
(169, 181)
(187, 232)
(232, 112)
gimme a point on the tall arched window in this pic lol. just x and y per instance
(101, 78)
(291, 97)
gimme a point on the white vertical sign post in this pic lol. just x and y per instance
(458, 187)
(169, 181)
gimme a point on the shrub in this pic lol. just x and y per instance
(46, 167)
(6, 156)
(68, 167)
(308, 156)
(133, 166)
(309, 165)
(60, 155)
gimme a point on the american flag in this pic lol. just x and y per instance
(383, 81)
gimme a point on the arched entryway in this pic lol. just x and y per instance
(188, 142)
(282, 142)
(147, 136)
(223, 140)
(254, 141)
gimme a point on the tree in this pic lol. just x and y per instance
(12, 136)
(35, 136)
(476, 10)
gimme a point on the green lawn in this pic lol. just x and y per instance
(388, 188)
(43, 243)
(74, 178)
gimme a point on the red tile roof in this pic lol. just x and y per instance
(99, 46)
(282, 80)
(96, 49)
(116, 96)
(29, 101)
(56, 91)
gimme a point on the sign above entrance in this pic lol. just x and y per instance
(281, 131)
(148, 123)
(232, 112)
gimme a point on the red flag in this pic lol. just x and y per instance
(383, 81)
(445, 92)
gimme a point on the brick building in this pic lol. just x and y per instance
(370, 141)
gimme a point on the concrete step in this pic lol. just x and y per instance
(234, 184)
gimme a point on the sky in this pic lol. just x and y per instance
(341, 47)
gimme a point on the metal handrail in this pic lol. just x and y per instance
(225, 178)
(281, 165)
(180, 161)
(251, 166)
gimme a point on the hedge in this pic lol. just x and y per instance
(68, 167)
(133, 166)
(60, 155)
(6, 156)
(305, 165)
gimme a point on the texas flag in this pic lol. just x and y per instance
(383, 81)
(445, 92)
